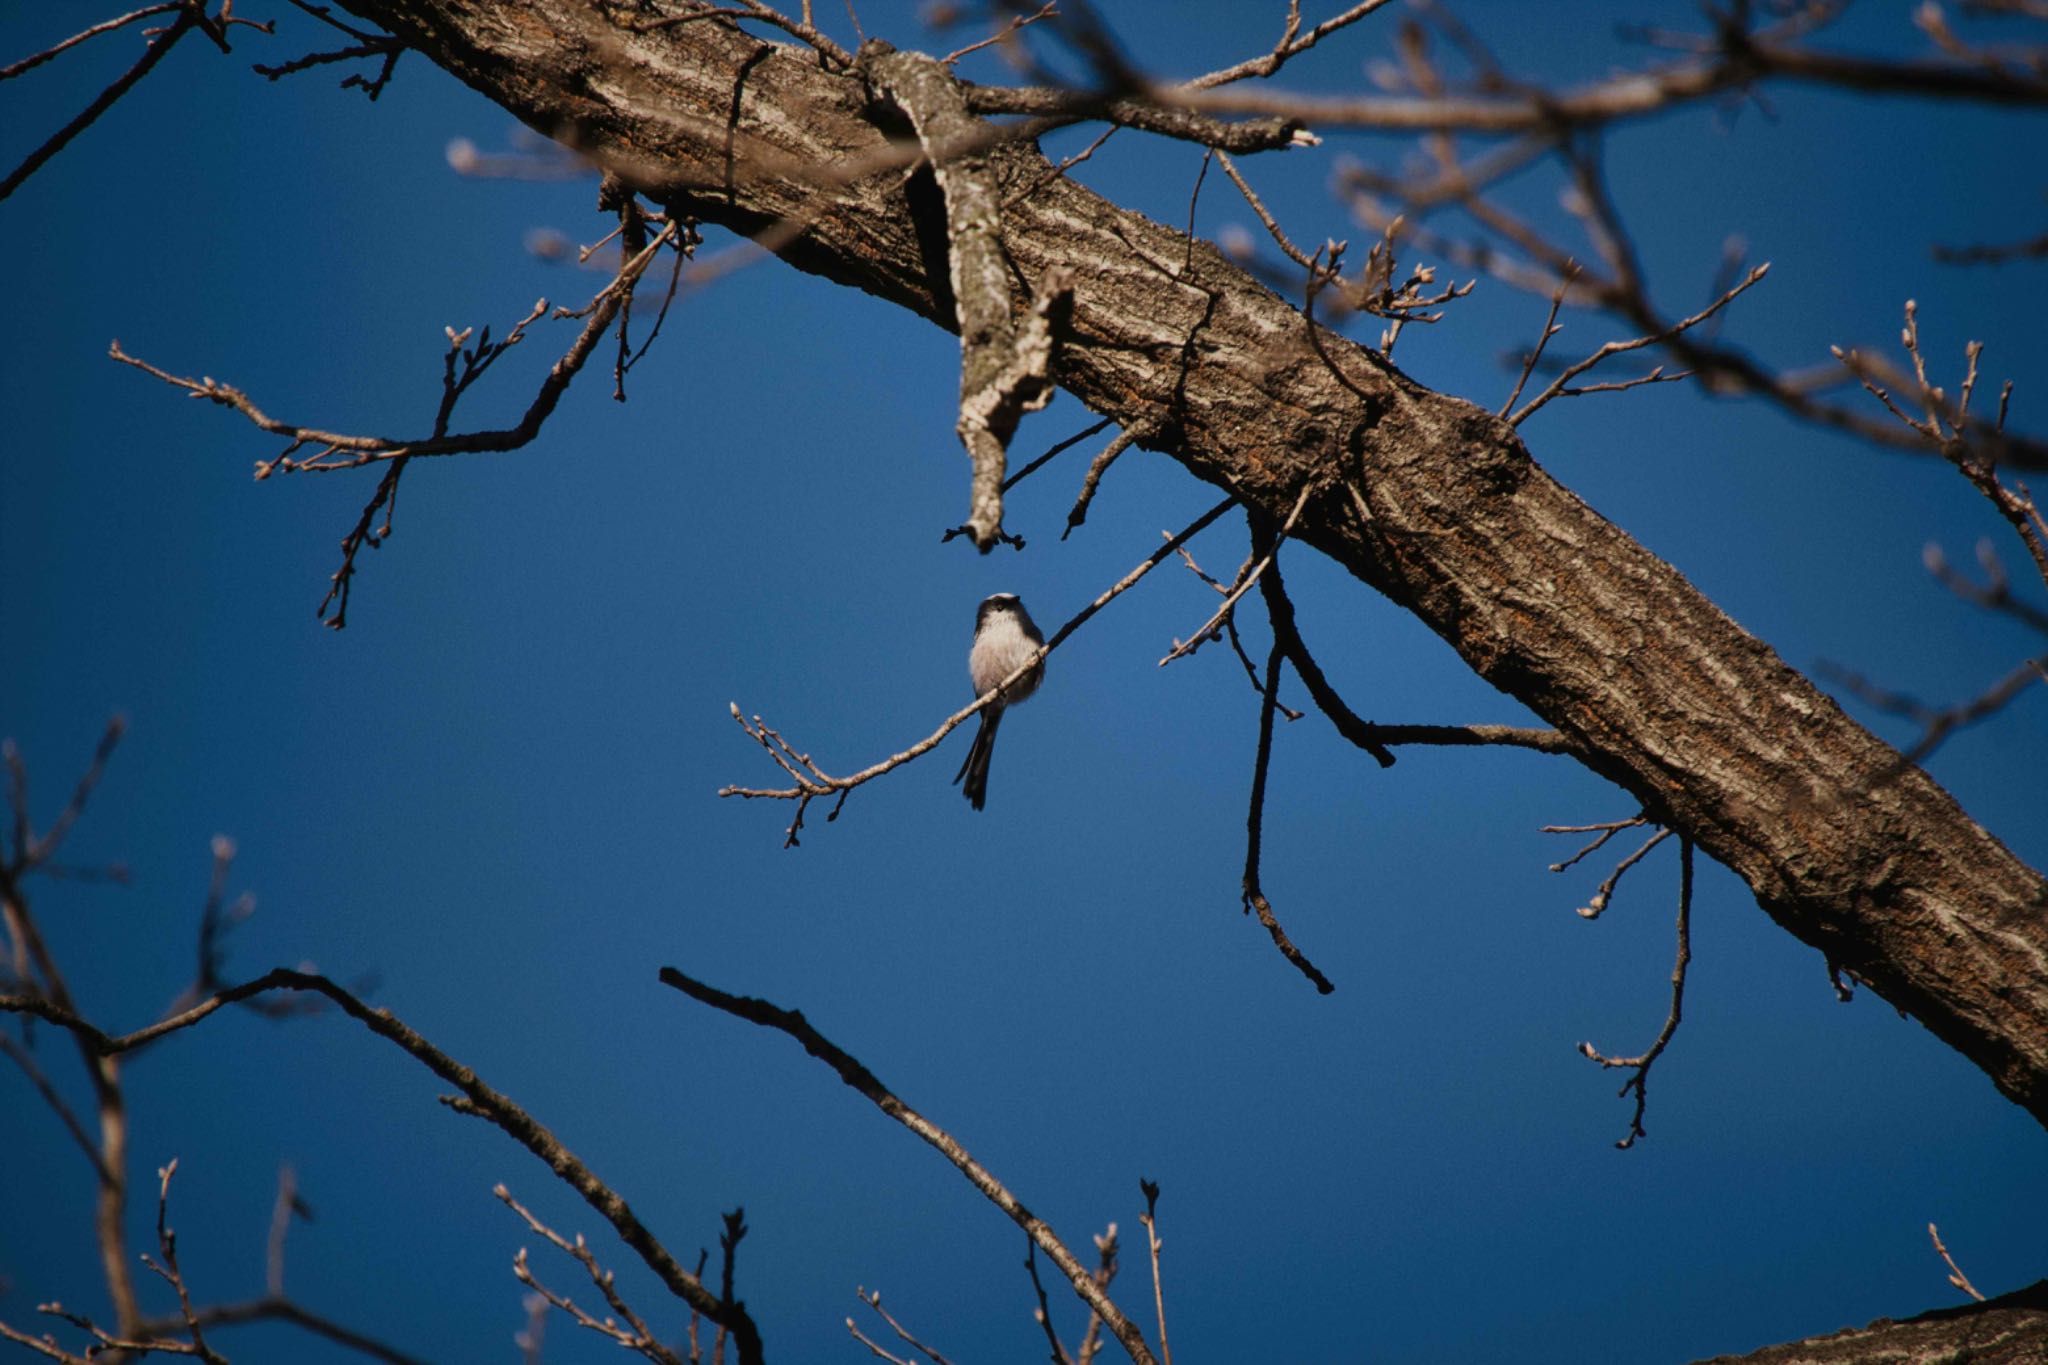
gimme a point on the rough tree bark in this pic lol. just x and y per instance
(1425, 497)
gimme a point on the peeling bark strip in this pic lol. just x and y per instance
(1444, 511)
(1003, 374)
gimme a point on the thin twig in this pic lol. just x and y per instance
(854, 1074)
(1210, 628)
(29, 63)
(189, 18)
(812, 782)
(1956, 1276)
(1150, 1218)
(476, 1098)
(1643, 1063)
(1559, 386)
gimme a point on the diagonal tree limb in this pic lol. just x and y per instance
(1654, 687)
(850, 1070)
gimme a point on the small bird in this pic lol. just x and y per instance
(1004, 637)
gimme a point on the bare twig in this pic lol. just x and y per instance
(1006, 32)
(20, 1056)
(857, 1076)
(1253, 894)
(1035, 465)
(191, 15)
(1607, 830)
(1212, 628)
(1099, 466)
(1938, 723)
(1605, 894)
(1956, 1276)
(29, 63)
(167, 1245)
(1044, 1310)
(462, 365)
(810, 781)
(1643, 1063)
(1560, 386)
(873, 1299)
(1550, 329)
(635, 1336)
(476, 1098)
(1150, 1218)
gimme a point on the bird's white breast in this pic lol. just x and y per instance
(1000, 647)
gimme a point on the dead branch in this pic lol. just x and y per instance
(864, 1081)
(476, 1098)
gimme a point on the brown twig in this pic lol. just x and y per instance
(1043, 1313)
(1606, 830)
(30, 62)
(1642, 1064)
(1593, 908)
(1212, 628)
(635, 1336)
(1293, 42)
(1097, 467)
(167, 1245)
(191, 15)
(476, 1098)
(1105, 1272)
(810, 781)
(854, 1074)
(21, 1057)
(1006, 32)
(462, 365)
(873, 1299)
(1956, 1276)
(1560, 386)
(1150, 1218)
(1035, 465)
(355, 450)
(1937, 723)
(1253, 894)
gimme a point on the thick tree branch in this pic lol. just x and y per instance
(1442, 508)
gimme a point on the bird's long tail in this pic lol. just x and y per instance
(975, 769)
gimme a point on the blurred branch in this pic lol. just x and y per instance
(191, 15)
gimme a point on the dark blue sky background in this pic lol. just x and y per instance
(495, 790)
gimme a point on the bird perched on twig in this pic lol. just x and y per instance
(1004, 638)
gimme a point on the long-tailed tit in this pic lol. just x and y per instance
(1004, 637)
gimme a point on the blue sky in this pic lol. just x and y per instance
(496, 789)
